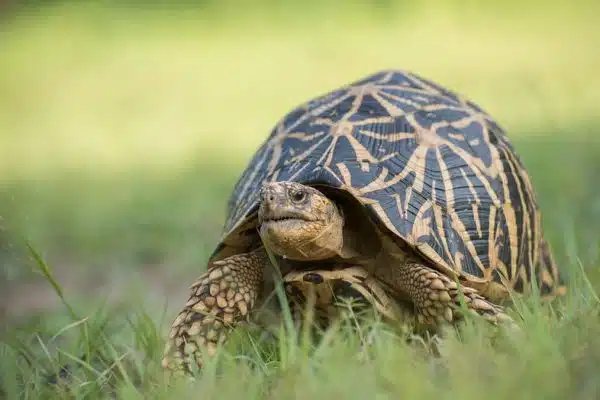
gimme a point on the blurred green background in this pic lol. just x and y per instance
(124, 125)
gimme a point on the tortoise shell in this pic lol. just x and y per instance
(429, 166)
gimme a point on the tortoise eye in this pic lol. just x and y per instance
(298, 196)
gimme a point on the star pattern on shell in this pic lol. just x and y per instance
(434, 168)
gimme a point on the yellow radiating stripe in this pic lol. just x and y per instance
(526, 228)
(439, 220)
(457, 223)
(308, 151)
(383, 215)
(346, 175)
(475, 208)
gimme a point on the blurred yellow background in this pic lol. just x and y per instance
(108, 87)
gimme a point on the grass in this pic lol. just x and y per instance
(117, 352)
(122, 134)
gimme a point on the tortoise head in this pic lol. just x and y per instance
(299, 222)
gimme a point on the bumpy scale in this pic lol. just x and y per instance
(435, 296)
(220, 299)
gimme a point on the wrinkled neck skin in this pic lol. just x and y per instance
(300, 223)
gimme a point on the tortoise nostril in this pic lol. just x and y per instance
(270, 197)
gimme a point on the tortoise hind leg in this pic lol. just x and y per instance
(436, 297)
(549, 279)
(220, 299)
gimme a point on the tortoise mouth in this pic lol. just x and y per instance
(282, 219)
(285, 216)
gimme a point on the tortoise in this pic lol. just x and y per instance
(410, 182)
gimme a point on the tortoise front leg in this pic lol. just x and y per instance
(436, 297)
(220, 299)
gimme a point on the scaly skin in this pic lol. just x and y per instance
(220, 299)
(436, 297)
